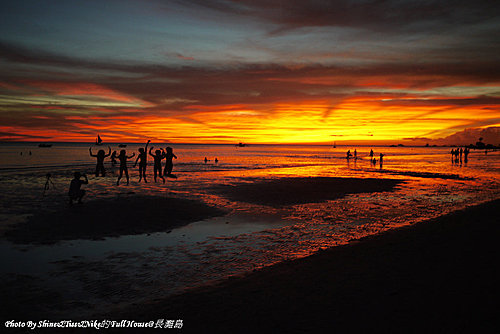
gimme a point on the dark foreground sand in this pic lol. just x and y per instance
(299, 190)
(439, 276)
(111, 218)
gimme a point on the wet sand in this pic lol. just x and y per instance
(97, 219)
(110, 218)
(437, 276)
(300, 190)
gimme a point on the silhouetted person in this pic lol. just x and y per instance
(348, 154)
(169, 165)
(461, 152)
(142, 158)
(48, 182)
(75, 192)
(371, 153)
(158, 157)
(381, 160)
(113, 159)
(123, 165)
(206, 160)
(355, 154)
(466, 154)
(216, 160)
(99, 168)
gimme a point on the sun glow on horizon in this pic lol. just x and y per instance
(355, 119)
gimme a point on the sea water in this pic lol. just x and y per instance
(250, 236)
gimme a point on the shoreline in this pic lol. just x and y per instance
(434, 276)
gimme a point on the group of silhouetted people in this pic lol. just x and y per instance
(373, 161)
(75, 192)
(142, 160)
(456, 155)
(207, 160)
(349, 155)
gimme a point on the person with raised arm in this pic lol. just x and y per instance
(123, 165)
(158, 157)
(99, 168)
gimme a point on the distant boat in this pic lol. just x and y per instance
(98, 141)
(44, 145)
(122, 145)
(241, 145)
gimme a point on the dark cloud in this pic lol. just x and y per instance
(159, 80)
(373, 14)
(182, 92)
(13, 136)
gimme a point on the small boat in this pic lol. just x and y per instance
(122, 145)
(241, 145)
(44, 145)
(98, 141)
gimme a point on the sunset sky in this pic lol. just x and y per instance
(257, 71)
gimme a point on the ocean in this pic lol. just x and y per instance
(248, 237)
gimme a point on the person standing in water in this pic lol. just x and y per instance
(371, 154)
(99, 168)
(142, 158)
(169, 165)
(75, 192)
(158, 157)
(355, 154)
(123, 165)
(381, 160)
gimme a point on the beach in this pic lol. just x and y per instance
(249, 166)
(438, 276)
(275, 238)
